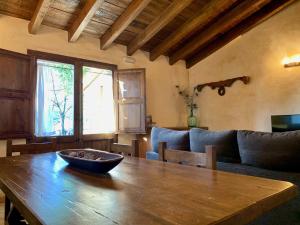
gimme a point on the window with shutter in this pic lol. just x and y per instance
(130, 99)
(70, 98)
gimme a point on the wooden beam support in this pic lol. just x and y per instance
(207, 13)
(225, 23)
(161, 21)
(38, 15)
(123, 21)
(254, 20)
(84, 17)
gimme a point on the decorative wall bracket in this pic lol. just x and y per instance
(220, 85)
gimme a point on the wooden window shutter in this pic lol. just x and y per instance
(15, 95)
(130, 99)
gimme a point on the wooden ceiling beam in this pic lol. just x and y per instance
(38, 15)
(161, 21)
(225, 23)
(123, 21)
(251, 22)
(205, 15)
(84, 17)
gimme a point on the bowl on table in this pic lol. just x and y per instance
(91, 160)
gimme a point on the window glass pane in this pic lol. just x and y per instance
(129, 116)
(54, 114)
(98, 102)
(130, 85)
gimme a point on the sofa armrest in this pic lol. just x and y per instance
(207, 159)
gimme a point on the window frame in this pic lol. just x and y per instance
(78, 64)
(90, 137)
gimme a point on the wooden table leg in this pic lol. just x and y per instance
(7, 208)
(15, 218)
(11, 214)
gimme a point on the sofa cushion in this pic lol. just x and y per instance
(225, 141)
(150, 155)
(175, 139)
(288, 213)
(277, 151)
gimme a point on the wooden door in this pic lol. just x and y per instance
(130, 98)
(15, 96)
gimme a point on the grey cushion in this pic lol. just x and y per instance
(277, 151)
(225, 141)
(150, 155)
(175, 139)
(286, 214)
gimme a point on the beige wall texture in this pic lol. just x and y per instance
(161, 78)
(273, 90)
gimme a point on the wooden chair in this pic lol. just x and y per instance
(127, 150)
(31, 148)
(207, 159)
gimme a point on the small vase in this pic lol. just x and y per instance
(192, 120)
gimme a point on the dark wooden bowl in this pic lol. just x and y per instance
(107, 162)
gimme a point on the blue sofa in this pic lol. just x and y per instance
(245, 152)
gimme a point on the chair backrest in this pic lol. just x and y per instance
(128, 150)
(32, 148)
(207, 159)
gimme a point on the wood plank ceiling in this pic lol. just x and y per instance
(187, 30)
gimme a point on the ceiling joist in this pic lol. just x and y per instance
(252, 21)
(161, 21)
(38, 15)
(84, 17)
(123, 21)
(210, 11)
(180, 29)
(225, 23)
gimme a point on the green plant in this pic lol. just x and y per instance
(62, 92)
(188, 98)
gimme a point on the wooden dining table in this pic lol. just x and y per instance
(45, 190)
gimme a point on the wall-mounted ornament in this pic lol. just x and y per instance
(129, 59)
(221, 85)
